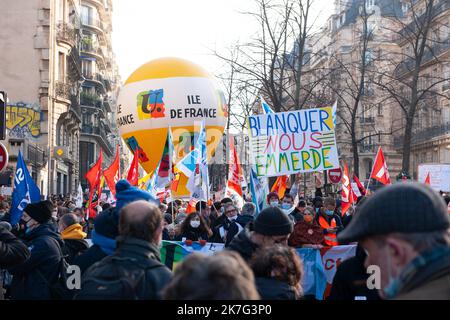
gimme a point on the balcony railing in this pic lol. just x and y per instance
(91, 100)
(96, 23)
(94, 130)
(63, 90)
(97, 78)
(424, 135)
(367, 148)
(367, 120)
(66, 33)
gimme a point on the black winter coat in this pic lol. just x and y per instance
(31, 279)
(73, 248)
(234, 229)
(143, 253)
(350, 280)
(89, 257)
(243, 245)
(12, 250)
(194, 234)
(272, 289)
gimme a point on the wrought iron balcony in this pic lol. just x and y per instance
(367, 120)
(63, 90)
(101, 136)
(426, 134)
(67, 33)
(367, 148)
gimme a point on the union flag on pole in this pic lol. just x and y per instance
(427, 179)
(133, 172)
(280, 186)
(112, 174)
(379, 170)
(235, 176)
(93, 176)
(361, 188)
(348, 195)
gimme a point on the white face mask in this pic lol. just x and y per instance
(274, 203)
(195, 224)
(232, 218)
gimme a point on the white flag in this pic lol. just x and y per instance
(79, 200)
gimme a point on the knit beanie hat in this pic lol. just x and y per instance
(404, 208)
(107, 224)
(40, 211)
(126, 193)
(273, 222)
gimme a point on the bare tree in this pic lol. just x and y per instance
(405, 78)
(267, 63)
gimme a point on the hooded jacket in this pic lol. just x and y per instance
(31, 279)
(74, 243)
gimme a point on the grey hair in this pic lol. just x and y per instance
(249, 208)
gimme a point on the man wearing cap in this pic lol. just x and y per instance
(404, 229)
(106, 225)
(32, 279)
(271, 226)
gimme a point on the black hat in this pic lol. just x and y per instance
(40, 211)
(404, 208)
(273, 222)
(107, 224)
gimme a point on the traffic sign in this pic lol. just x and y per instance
(3, 157)
(335, 175)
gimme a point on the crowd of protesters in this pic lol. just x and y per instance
(403, 228)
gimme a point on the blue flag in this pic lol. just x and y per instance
(259, 189)
(25, 190)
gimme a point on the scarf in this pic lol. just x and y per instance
(107, 245)
(74, 231)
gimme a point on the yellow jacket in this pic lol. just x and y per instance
(74, 231)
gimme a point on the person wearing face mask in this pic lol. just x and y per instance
(273, 200)
(330, 222)
(404, 230)
(271, 227)
(194, 228)
(307, 232)
(247, 215)
(287, 205)
(229, 217)
(32, 279)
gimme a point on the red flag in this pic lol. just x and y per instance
(93, 176)
(427, 179)
(348, 196)
(112, 174)
(280, 186)
(133, 172)
(359, 184)
(235, 176)
(379, 170)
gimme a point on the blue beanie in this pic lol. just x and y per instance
(126, 193)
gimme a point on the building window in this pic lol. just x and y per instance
(86, 66)
(380, 109)
(370, 4)
(61, 66)
(87, 15)
(405, 7)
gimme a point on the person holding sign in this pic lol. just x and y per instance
(330, 222)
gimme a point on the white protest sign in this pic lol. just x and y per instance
(291, 142)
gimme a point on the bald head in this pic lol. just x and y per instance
(141, 220)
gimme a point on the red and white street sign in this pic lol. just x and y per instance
(335, 175)
(3, 157)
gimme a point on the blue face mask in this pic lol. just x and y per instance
(329, 212)
(286, 206)
(392, 288)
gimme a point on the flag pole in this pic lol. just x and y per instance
(170, 170)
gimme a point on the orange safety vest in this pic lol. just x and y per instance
(330, 239)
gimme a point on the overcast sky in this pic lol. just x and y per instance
(144, 30)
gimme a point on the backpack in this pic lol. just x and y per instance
(117, 278)
(58, 289)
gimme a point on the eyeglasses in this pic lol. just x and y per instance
(230, 211)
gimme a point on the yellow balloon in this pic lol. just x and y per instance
(170, 92)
